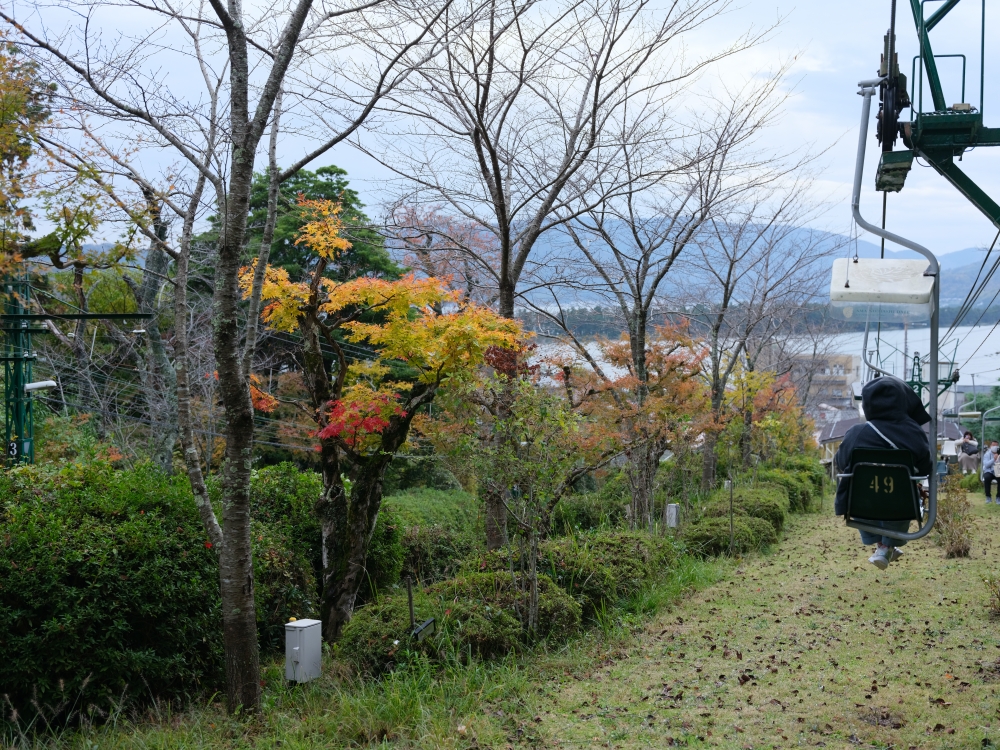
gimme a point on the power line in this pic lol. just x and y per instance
(974, 293)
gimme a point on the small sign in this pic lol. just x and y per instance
(423, 630)
(12, 451)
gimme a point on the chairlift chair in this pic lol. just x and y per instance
(882, 487)
(883, 484)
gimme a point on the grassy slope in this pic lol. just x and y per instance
(462, 706)
(831, 651)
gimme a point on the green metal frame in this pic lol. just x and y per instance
(17, 329)
(942, 134)
(19, 443)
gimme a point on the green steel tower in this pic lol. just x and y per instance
(17, 359)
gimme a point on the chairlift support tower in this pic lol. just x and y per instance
(18, 326)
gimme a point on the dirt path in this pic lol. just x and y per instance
(808, 647)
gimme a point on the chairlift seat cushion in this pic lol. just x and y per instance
(882, 486)
(881, 280)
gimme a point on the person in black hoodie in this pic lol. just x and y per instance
(895, 416)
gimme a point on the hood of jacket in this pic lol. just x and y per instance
(889, 398)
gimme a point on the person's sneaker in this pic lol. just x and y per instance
(894, 554)
(881, 558)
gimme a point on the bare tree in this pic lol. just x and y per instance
(628, 245)
(755, 263)
(517, 127)
(243, 64)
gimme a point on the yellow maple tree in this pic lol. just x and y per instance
(414, 320)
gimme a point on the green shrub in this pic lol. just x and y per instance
(606, 567)
(710, 536)
(809, 467)
(283, 495)
(476, 614)
(596, 568)
(971, 482)
(768, 502)
(439, 529)
(384, 560)
(776, 492)
(588, 511)
(284, 583)
(763, 532)
(799, 488)
(616, 490)
(481, 593)
(108, 589)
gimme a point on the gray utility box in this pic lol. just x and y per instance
(303, 650)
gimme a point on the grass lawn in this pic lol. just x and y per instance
(808, 647)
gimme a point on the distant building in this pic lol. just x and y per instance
(829, 380)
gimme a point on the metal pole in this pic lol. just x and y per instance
(409, 598)
(18, 422)
(982, 431)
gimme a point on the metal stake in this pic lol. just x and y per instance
(409, 597)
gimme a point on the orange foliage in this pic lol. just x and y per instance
(262, 400)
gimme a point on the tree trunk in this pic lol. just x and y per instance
(348, 522)
(746, 446)
(345, 545)
(505, 301)
(235, 561)
(496, 518)
(161, 381)
(641, 470)
(185, 422)
(708, 462)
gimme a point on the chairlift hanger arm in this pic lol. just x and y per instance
(867, 89)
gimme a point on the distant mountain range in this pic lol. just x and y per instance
(960, 268)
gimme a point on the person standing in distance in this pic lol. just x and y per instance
(989, 468)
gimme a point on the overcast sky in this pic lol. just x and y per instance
(836, 43)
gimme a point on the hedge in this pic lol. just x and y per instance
(285, 496)
(597, 568)
(798, 486)
(809, 468)
(710, 536)
(108, 590)
(768, 502)
(477, 615)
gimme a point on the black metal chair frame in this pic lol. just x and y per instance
(900, 462)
